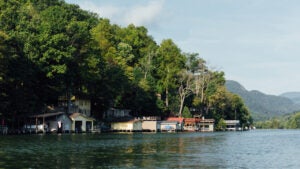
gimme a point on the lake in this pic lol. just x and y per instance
(249, 149)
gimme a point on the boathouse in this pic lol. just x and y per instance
(172, 124)
(126, 126)
(232, 125)
(206, 125)
(151, 124)
(50, 122)
(81, 123)
(191, 124)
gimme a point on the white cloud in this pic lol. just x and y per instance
(140, 15)
(105, 11)
(144, 15)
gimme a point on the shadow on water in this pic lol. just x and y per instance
(103, 150)
(257, 149)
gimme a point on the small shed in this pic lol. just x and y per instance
(81, 123)
(127, 126)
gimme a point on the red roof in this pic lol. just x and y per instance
(192, 120)
(178, 119)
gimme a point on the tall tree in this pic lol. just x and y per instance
(185, 88)
(169, 63)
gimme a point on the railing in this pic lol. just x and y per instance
(3, 129)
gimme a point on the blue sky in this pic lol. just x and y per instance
(255, 42)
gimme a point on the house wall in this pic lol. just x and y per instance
(190, 127)
(150, 126)
(122, 126)
(211, 127)
(166, 126)
(137, 126)
(206, 127)
(232, 125)
(66, 121)
(83, 120)
(127, 126)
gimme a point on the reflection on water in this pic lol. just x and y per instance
(253, 149)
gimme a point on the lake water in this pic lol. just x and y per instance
(250, 149)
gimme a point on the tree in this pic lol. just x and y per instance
(49, 48)
(186, 113)
(185, 88)
(169, 63)
(221, 125)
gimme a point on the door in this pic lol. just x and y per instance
(78, 126)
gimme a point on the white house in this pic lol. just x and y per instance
(232, 125)
(151, 124)
(127, 126)
(206, 125)
(81, 123)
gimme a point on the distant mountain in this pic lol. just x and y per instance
(261, 105)
(294, 96)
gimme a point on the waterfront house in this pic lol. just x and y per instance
(151, 124)
(169, 126)
(206, 125)
(126, 126)
(172, 124)
(81, 123)
(199, 124)
(191, 124)
(179, 120)
(232, 125)
(49, 122)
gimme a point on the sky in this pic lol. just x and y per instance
(255, 42)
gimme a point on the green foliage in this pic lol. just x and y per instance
(186, 113)
(262, 106)
(291, 121)
(169, 63)
(221, 125)
(49, 48)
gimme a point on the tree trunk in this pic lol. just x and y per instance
(167, 97)
(181, 105)
(182, 98)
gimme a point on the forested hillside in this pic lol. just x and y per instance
(49, 48)
(294, 96)
(261, 105)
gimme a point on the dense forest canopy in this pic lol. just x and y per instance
(49, 48)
